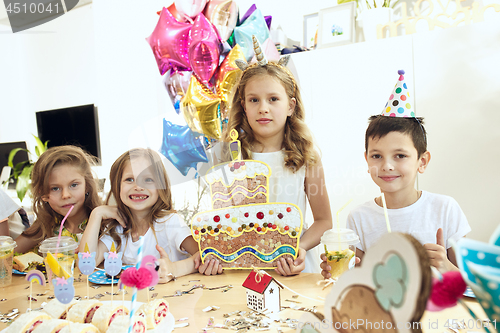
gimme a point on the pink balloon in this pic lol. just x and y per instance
(204, 49)
(170, 42)
(190, 8)
(223, 14)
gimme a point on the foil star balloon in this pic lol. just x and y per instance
(178, 16)
(182, 147)
(228, 74)
(177, 83)
(253, 25)
(170, 42)
(247, 14)
(204, 49)
(190, 8)
(200, 108)
(223, 14)
(268, 19)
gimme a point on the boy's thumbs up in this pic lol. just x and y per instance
(440, 238)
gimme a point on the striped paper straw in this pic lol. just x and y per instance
(134, 295)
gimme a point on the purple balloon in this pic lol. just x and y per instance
(170, 42)
(204, 49)
(177, 83)
(182, 147)
(248, 13)
(268, 19)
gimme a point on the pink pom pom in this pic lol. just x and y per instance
(446, 293)
(139, 278)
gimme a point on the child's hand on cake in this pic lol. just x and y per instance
(438, 255)
(287, 267)
(210, 267)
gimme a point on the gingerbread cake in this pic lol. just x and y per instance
(243, 229)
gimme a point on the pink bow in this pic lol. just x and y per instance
(85, 255)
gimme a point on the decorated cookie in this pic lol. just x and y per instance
(113, 261)
(64, 289)
(388, 293)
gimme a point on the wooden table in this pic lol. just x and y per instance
(191, 305)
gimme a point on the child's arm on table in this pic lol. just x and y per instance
(317, 195)
(444, 260)
(91, 233)
(177, 268)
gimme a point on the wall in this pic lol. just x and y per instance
(98, 54)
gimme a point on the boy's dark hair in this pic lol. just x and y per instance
(379, 126)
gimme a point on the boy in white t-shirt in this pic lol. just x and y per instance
(396, 150)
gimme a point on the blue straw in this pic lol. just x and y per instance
(134, 295)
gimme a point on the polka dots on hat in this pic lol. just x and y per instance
(399, 104)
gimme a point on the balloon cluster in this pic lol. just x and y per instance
(195, 44)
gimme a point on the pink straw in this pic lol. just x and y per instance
(61, 228)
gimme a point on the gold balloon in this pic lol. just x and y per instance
(228, 74)
(200, 108)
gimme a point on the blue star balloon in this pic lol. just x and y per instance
(256, 25)
(182, 147)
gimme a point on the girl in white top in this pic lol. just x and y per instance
(140, 186)
(268, 114)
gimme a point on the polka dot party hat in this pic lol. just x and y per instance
(399, 104)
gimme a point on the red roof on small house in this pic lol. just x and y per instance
(251, 283)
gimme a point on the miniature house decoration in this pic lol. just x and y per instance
(263, 292)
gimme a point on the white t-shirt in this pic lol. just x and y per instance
(286, 186)
(170, 231)
(421, 220)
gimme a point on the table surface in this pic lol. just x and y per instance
(191, 305)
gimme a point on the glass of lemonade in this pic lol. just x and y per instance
(65, 254)
(340, 250)
(7, 245)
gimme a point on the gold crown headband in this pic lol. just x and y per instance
(262, 61)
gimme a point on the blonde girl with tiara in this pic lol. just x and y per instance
(268, 113)
(141, 190)
(61, 178)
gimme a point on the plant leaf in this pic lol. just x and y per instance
(40, 146)
(23, 182)
(13, 153)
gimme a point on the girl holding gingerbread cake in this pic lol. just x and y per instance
(268, 114)
(141, 189)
